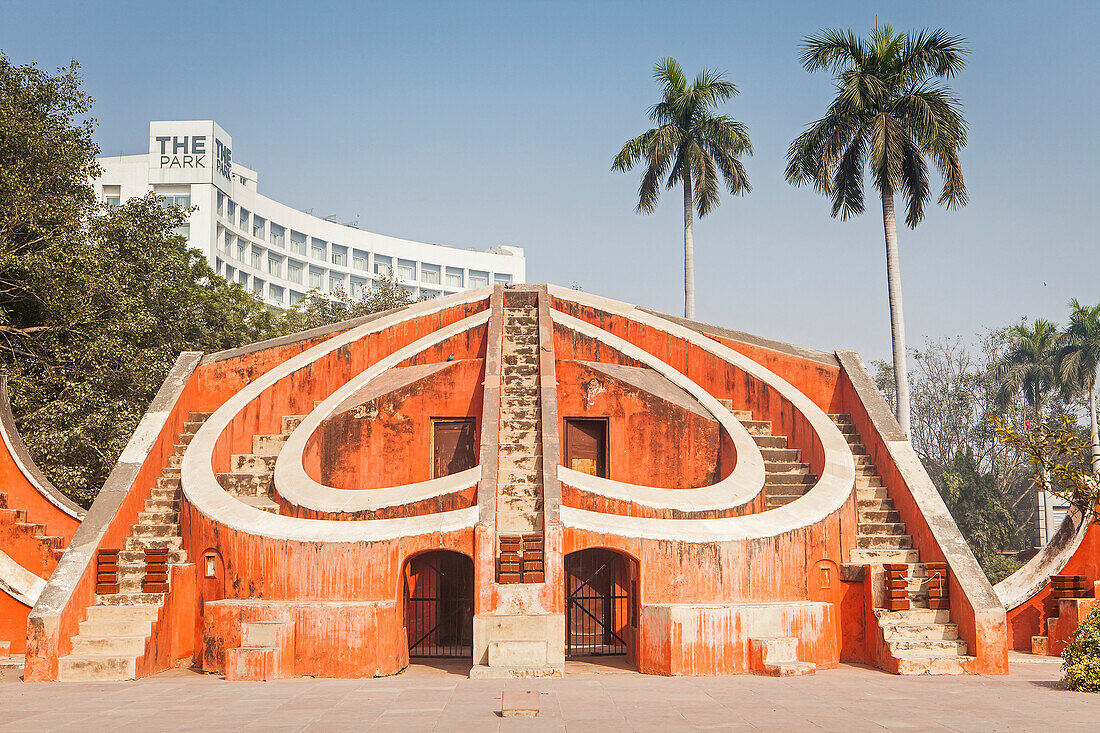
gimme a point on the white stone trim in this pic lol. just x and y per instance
(743, 483)
(18, 582)
(835, 485)
(299, 488)
(202, 490)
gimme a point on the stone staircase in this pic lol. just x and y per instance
(519, 466)
(921, 640)
(112, 638)
(251, 475)
(26, 541)
(786, 477)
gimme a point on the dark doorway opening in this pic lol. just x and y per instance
(454, 445)
(600, 603)
(439, 604)
(586, 445)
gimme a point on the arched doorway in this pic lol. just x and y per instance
(601, 616)
(439, 604)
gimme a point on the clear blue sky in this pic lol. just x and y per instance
(490, 124)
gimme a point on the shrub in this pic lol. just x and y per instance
(1081, 659)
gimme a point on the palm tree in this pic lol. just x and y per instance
(692, 145)
(888, 114)
(1078, 363)
(1028, 369)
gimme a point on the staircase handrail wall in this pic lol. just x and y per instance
(974, 605)
(56, 617)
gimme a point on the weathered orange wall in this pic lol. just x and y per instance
(389, 441)
(643, 431)
(812, 378)
(1029, 618)
(21, 494)
(13, 623)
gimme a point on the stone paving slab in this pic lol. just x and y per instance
(590, 698)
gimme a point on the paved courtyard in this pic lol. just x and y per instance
(590, 698)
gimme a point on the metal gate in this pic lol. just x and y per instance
(598, 603)
(439, 605)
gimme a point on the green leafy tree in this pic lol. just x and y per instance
(318, 309)
(1078, 363)
(981, 513)
(95, 305)
(692, 146)
(1081, 657)
(889, 113)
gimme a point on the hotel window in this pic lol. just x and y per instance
(113, 202)
(230, 210)
(242, 278)
(426, 294)
(339, 255)
(316, 278)
(317, 249)
(382, 266)
(429, 274)
(294, 271)
(358, 288)
(274, 266)
(502, 279)
(242, 249)
(336, 282)
(243, 220)
(258, 286)
(276, 293)
(359, 259)
(258, 227)
(221, 203)
(478, 279)
(230, 273)
(406, 270)
(276, 235)
(181, 201)
(296, 297)
(184, 230)
(297, 243)
(257, 257)
(218, 265)
(454, 277)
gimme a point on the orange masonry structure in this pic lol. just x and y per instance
(516, 476)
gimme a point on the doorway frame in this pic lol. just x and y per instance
(606, 439)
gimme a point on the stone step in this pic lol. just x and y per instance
(168, 484)
(785, 490)
(117, 626)
(251, 463)
(526, 448)
(841, 419)
(155, 505)
(856, 448)
(520, 425)
(775, 502)
(247, 484)
(180, 448)
(155, 530)
(290, 423)
(883, 542)
(920, 631)
(129, 599)
(530, 412)
(847, 429)
(758, 427)
(920, 664)
(513, 476)
(786, 467)
(880, 556)
(175, 557)
(192, 426)
(133, 613)
(186, 438)
(199, 417)
(143, 542)
(774, 479)
(114, 645)
(914, 616)
(268, 445)
(862, 460)
(931, 647)
(89, 668)
(780, 454)
(872, 528)
(876, 492)
(771, 441)
(868, 482)
(522, 463)
(158, 516)
(876, 516)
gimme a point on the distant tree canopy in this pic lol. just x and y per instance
(96, 304)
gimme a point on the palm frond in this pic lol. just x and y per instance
(832, 49)
(706, 193)
(933, 53)
(913, 179)
(848, 179)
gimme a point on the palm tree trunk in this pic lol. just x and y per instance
(1094, 438)
(689, 248)
(897, 320)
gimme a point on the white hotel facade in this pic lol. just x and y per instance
(274, 250)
